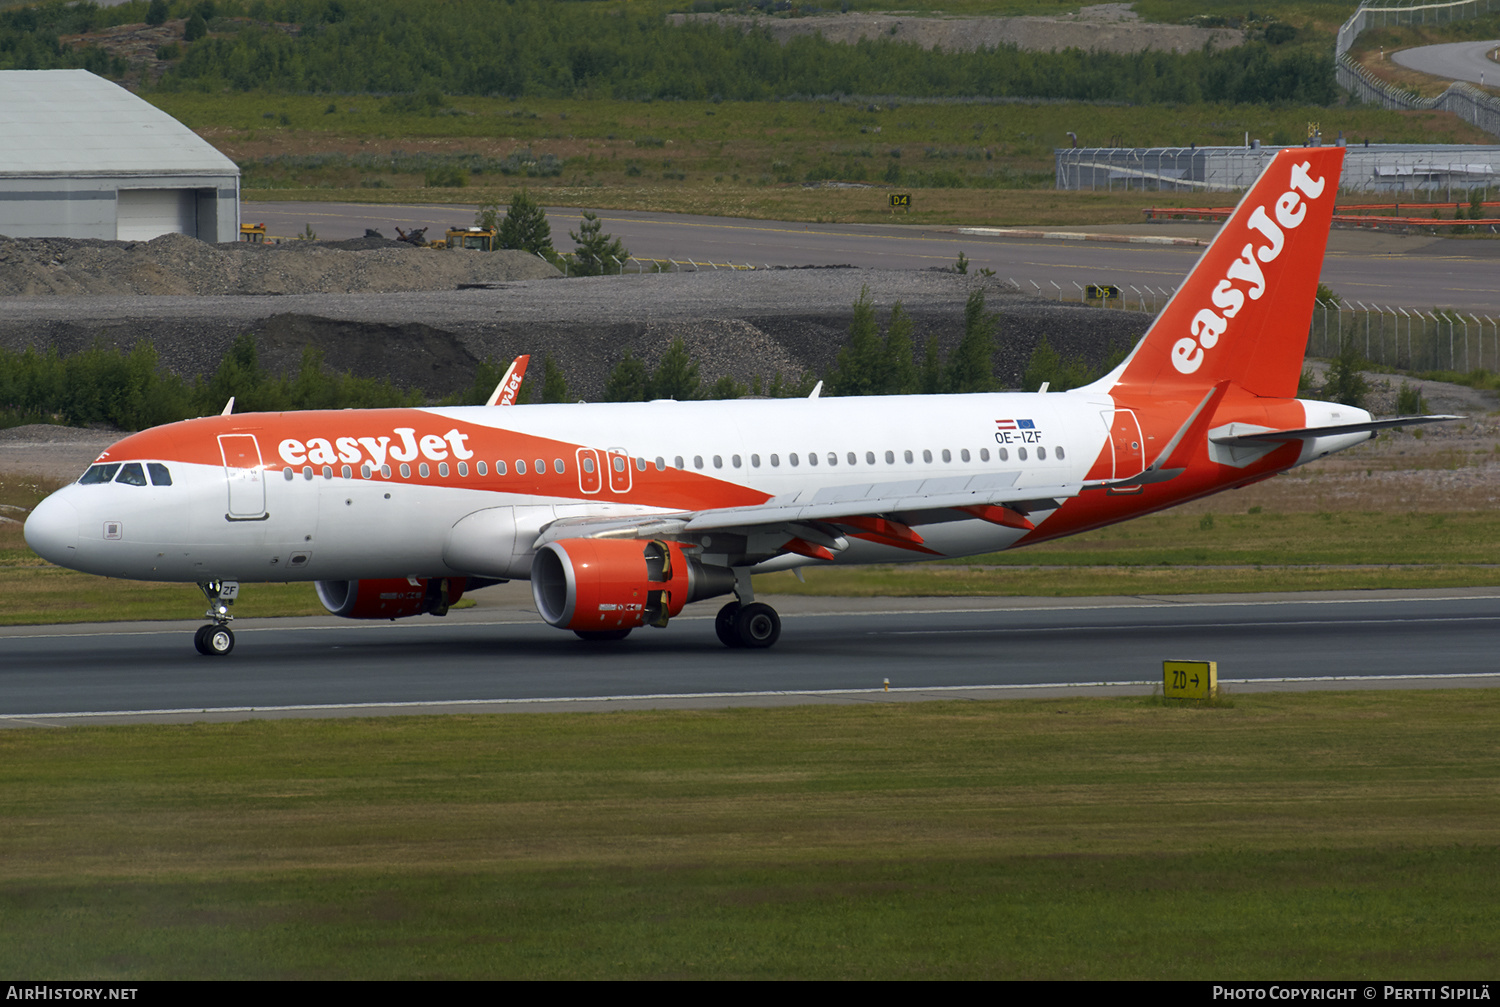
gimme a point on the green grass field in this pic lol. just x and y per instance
(1318, 836)
(963, 163)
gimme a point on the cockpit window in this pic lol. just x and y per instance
(100, 473)
(131, 474)
(159, 474)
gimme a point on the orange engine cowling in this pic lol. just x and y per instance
(598, 584)
(390, 599)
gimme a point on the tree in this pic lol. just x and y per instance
(1345, 383)
(195, 28)
(157, 13)
(554, 386)
(676, 375)
(971, 368)
(898, 374)
(597, 253)
(628, 382)
(525, 226)
(857, 370)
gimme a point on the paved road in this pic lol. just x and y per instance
(493, 656)
(1415, 271)
(1468, 61)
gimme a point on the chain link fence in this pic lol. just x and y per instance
(1390, 167)
(1463, 100)
(1401, 338)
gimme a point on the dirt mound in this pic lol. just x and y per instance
(1102, 28)
(177, 264)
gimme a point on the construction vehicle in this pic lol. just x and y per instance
(473, 237)
(253, 233)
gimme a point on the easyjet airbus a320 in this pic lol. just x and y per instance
(621, 514)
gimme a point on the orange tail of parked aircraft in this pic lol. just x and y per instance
(620, 514)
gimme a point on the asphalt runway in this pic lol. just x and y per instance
(1468, 61)
(496, 661)
(1360, 266)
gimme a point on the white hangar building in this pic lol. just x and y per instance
(81, 157)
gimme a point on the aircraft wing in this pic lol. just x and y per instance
(809, 520)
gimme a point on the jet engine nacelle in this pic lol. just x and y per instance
(390, 599)
(600, 585)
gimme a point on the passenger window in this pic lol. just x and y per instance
(541, 466)
(890, 457)
(520, 466)
(909, 458)
(385, 471)
(347, 472)
(776, 461)
(792, 458)
(443, 469)
(927, 456)
(697, 461)
(99, 474)
(328, 471)
(365, 471)
(481, 468)
(131, 474)
(1021, 454)
(677, 463)
(463, 468)
(984, 454)
(558, 466)
(424, 470)
(307, 472)
(869, 458)
(964, 454)
(735, 461)
(947, 455)
(1041, 454)
(640, 464)
(161, 477)
(718, 461)
(755, 461)
(812, 458)
(1003, 454)
(500, 469)
(1060, 455)
(833, 457)
(661, 464)
(287, 472)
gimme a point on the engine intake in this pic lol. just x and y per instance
(396, 598)
(597, 584)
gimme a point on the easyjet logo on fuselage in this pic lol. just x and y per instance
(405, 446)
(1208, 325)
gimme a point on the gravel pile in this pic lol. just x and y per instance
(177, 264)
(738, 323)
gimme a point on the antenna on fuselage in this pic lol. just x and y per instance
(228, 407)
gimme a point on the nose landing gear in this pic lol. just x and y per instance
(217, 639)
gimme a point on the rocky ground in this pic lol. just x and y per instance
(178, 264)
(1110, 27)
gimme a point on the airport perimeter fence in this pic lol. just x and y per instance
(1402, 338)
(1388, 167)
(1463, 100)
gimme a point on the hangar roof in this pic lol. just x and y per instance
(71, 122)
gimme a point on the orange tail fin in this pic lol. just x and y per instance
(1242, 314)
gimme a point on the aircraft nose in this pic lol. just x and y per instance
(52, 531)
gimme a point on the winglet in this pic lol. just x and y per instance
(817, 390)
(505, 392)
(228, 407)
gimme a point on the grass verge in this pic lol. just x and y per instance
(1169, 553)
(1320, 835)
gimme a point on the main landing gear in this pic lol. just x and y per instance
(217, 639)
(745, 622)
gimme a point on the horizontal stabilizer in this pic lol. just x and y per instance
(1264, 437)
